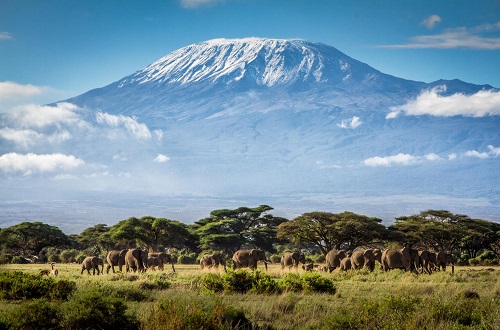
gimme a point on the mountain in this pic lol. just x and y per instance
(294, 124)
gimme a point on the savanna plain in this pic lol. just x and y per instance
(191, 298)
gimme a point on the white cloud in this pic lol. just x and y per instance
(33, 163)
(431, 21)
(474, 153)
(32, 115)
(12, 90)
(432, 157)
(494, 151)
(322, 165)
(461, 37)
(452, 156)
(25, 137)
(199, 3)
(161, 158)
(28, 137)
(350, 123)
(5, 36)
(430, 102)
(399, 159)
(140, 131)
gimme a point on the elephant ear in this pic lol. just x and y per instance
(255, 254)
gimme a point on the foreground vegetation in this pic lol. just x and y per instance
(276, 299)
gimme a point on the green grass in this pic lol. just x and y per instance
(361, 300)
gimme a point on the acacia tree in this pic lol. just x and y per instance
(230, 230)
(96, 238)
(152, 232)
(479, 235)
(27, 239)
(329, 231)
(433, 229)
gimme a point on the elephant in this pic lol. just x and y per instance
(442, 259)
(115, 258)
(346, 263)
(212, 260)
(154, 262)
(100, 262)
(393, 258)
(333, 258)
(425, 263)
(248, 258)
(292, 259)
(91, 262)
(136, 260)
(164, 258)
(366, 259)
(432, 260)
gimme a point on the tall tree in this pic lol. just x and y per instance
(231, 230)
(29, 238)
(152, 232)
(433, 229)
(96, 238)
(329, 231)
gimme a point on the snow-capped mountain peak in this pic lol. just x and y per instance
(264, 62)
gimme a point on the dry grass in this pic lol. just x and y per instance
(377, 291)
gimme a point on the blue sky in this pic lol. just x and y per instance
(52, 49)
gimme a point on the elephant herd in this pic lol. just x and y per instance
(134, 260)
(408, 259)
(138, 260)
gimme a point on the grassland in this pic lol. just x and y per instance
(467, 299)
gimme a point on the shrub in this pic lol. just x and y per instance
(195, 312)
(316, 283)
(162, 283)
(212, 283)
(34, 314)
(291, 282)
(61, 289)
(19, 285)
(90, 309)
(264, 284)
(239, 281)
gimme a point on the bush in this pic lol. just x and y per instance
(292, 282)
(19, 285)
(264, 284)
(239, 281)
(35, 314)
(316, 283)
(90, 309)
(212, 283)
(195, 312)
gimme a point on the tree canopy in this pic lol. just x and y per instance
(230, 230)
(27, 239)
(329, 231)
